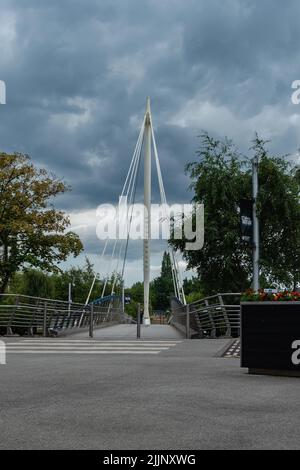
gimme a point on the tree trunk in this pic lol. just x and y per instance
(3, 285)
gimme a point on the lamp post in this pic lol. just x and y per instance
(255, 249)
(71, 284)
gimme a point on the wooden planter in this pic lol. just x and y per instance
(270, 337)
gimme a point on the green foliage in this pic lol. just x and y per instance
(131, 309)
(162, 287)
(81, 279)
(193, 289)
(220, 179)
(36, 283)
(279, 216)
(32, 232)
(137, 292)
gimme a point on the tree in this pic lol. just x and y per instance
(193, 289)
(137, 292)
(220, 179)
(32, 232)
(279, 216)
(81, 279)
(37, 284)
(162, 286)
(219, 183)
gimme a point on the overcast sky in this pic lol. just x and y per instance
(78, 73)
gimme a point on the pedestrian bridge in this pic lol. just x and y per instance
(212, 317)
(25, 315)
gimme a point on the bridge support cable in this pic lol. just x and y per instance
(96, 274)
(132, 199)
(166, 216)
(132, 180)
(176, 275)
(126, 189)
(131, 192)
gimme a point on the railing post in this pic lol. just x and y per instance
(138, 323)
(210, 315)
(92, 321)
(45, 329)
(188, 333)
(226, 319)
(10, 322)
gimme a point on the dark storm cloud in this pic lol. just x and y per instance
(78, 73)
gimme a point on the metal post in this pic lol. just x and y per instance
(92, 322)
(255, 225)
(45, 328)
(123, 297)
(147, 215)
(138, 323)
(70, 298)
(225, 315)
(188, 334)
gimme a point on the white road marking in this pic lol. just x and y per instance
(93, 342)
(91, 348)
(46, 346)
(52, 351)
(40, 340)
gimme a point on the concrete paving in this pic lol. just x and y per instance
(129, 332)
(182, 398)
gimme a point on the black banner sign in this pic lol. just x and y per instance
(246, 221)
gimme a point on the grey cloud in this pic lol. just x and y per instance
(78, 73)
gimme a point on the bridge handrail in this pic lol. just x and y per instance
(27, 314)
(222, 294)
(39, 299)
(208, 317)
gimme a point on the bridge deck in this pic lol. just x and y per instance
(128, 332)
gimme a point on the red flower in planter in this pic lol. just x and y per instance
(261, 296)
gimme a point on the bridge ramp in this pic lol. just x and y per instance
(128, 332)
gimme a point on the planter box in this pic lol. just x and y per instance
(270, 337)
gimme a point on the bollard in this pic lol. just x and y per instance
(2, 353)
(92, 322)
(138, 324)
(45, 329)
(188, 334)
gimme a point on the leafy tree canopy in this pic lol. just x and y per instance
(32, 231)
(162, 287)
(221, 177)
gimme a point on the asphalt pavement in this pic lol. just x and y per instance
(177, 394)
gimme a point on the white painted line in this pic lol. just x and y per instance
(91, 348)
(99, 345)
(93, 342)
(42, 340)
(28, 351)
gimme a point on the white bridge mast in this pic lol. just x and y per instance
(147, 213)
(146, 141)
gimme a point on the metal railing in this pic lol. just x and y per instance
(211, 317)
(20, 314)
